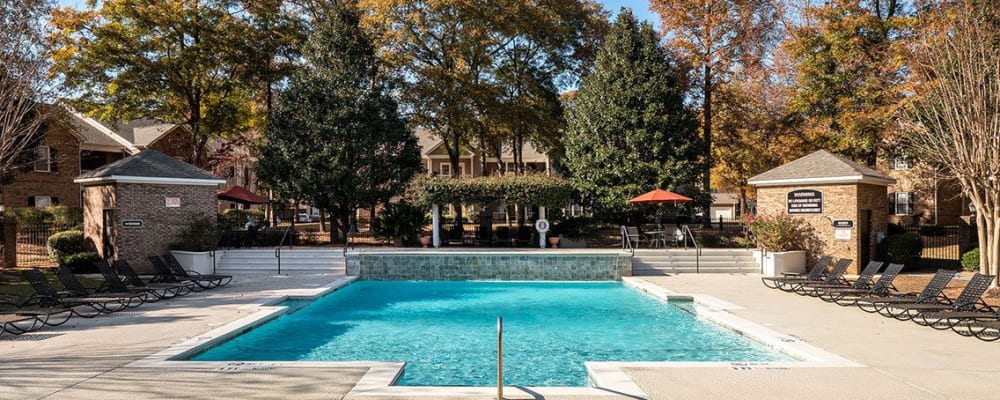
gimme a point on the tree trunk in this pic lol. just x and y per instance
(707, 127)
(322, 221)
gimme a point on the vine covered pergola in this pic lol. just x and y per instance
(538, 190)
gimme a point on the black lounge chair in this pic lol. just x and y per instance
(75, 288)
(987, 331)
(17, 324)
(815, 274)
(113, 283)
(16, 319)
(970, 299)
(159, 290)
(932, 293)
(864, 282)
(882, 287)
(834, 278)
(206, 281)
(47, 296)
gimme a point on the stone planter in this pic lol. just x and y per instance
(197, 261)
(425, 241)
(776, 263)
(554, 242)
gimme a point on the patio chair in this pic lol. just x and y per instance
(834, 278)
(165, 275)
(160, 290)
(932, 293)
(114, 283)
(631, 236)
(864, 281)
(815, 274)
(207, 281)
(970, 299)
(882, 287)
(47, 296)
(16, 324)
(16, 317)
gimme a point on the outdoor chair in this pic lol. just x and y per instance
(815, 275)
(631, 237)
(160, 290)
(454, 237)
(16, 324)
(165, 275)
(970, 299)
(932, 293)
(113, 283)
(864, 281)
(882, 287)
(47, 296)
(206, 281)
(835, 277)
(987, 331)
(16, 320)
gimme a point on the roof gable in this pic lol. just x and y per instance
(820, 166)
(150, 166)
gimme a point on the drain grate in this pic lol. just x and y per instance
(30, 337)
(244, 367)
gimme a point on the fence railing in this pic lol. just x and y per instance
(31, 244)
(942, 245)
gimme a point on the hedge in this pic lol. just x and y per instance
(534, 190)
(65, 244)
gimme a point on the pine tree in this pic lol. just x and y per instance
(628, 130)
(336, 138)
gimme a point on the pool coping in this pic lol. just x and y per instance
(608, 378)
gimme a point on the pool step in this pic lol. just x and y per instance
(293, 261)
(680, 261)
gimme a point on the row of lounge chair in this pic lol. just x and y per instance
(967, 314)
(122, 288)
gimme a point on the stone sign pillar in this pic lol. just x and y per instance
(843, 202)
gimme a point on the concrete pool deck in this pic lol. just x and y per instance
(90, 358)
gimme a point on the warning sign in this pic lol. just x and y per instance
(805, 201)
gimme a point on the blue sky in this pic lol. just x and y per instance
(639, 7)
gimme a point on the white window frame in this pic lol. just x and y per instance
(901, 163)
(903, 199)
(44, 154)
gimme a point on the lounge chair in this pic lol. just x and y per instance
(834, 278)
(16, 319)
(932, 293)
(160, 290)
(864, 282)
(988, 331)
(113, 283)
(17, 324)
(207, 281)
(815, 274)
(47, 296)
(970, 299)
(882, 287)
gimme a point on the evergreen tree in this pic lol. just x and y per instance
(336, 138)
(628, 130)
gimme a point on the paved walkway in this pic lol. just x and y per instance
(86, 358)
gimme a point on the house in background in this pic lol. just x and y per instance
(49, 179)
(923, 195)
(436, 161)
(725, 205)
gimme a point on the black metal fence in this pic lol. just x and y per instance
(31, 244)
(942, 245)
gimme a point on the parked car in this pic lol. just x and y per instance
(303, 217)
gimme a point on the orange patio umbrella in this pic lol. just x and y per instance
(659, 196)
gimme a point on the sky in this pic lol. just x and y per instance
(639, 7)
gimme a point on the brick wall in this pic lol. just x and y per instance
(161, 224)
(920, 180)
(840, 202)
(177, 143)
(59, 182)
(96, 199)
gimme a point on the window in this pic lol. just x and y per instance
(901, 203)
(41, 201)
(901, 163)
(445, 169)
(44, 161)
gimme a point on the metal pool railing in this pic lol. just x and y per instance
(500, 357)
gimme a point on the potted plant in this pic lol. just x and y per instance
(425, 239)
(779, 240)
(400, 223)
(193, 247)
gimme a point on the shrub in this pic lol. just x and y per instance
(31, 215)
(81, 263)
(535, 190)
(65, 217)
(236, 218)
(399, 222)
(576, 228)
(65, 244)
(895, 229)
(201, 235)
(970, 260)
(778, 232)
(932, 230)
(902, 248)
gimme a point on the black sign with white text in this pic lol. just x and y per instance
(805, 201)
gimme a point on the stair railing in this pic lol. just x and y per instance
(277, 249)
(697, 253)
(626, 240)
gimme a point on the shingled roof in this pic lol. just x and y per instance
(821, 167)
(150, 166)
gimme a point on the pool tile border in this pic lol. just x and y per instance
(609, 379)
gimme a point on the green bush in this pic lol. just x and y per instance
(902, 248)
(65, 244)
(400, 222)
(970, 260)
(81, 263)
(30, 215)
(778, 233)
(236, 218)
(534, 190)
(932, 230)
(65, 217)
(576, 228)
(201, 235)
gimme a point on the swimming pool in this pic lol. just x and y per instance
(446, 332)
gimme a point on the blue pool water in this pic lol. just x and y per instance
(446, 331)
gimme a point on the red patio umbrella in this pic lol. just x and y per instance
(238, 194)
(659, 196)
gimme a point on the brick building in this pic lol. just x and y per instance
(49, 179)
(922, 194)
(822, 188)
(139, 205)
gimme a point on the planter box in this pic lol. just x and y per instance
(774, 264)
(197, 261)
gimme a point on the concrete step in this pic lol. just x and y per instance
(672, 271)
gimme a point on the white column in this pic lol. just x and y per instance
(436, 225)
(541, 235)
